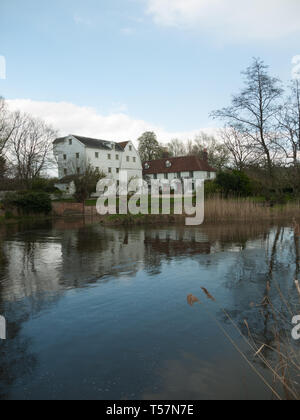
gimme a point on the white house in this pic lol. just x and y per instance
(74, 153)
(185, 167)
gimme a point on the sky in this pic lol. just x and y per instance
(112, 69)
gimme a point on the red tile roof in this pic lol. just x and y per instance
(123, 144)
(179, 164)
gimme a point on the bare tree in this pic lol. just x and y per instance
(7, 126)
(31, 148)
(289, 122)
(240, 148)
(177, 148)
(254, 110)
(217, 153)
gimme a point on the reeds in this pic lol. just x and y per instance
(277, 351)
(219, 209)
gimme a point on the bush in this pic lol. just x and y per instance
(29, 202)
(234, 182)
(44, 185)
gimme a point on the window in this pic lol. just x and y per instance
(70, 142)
(117, 157)
(77, 155)
(97, 168)
(109, 170)
(134, 160)
(147, 166)
(96, 155)
(178, 175)
(78, 170)
(208, 175)
(65, 172)
(130, 148)
(166, 176)
(109, 156)
(65, 157)
(191, 174)
(155, 176)
(117, 170)
(128, 159)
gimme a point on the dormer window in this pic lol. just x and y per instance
(168, 164)
(147, 166)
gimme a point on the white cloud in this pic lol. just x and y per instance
(86, 121)
(251, 19)
(296, 67)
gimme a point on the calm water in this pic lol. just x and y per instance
(102, 313)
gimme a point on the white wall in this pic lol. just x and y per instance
(197, 175)
(88, 155)
(134, 169)
(103, 162)
(70, 151)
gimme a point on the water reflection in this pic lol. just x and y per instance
(61, 281)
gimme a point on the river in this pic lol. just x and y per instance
(99, 312)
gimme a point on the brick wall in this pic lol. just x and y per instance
(63, 209)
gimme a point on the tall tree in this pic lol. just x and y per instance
(177, 148)
(31, 148)
(149, 148)
(217, 153)
(289, 122)
(8, 124)
(239, 146)
(253, 111)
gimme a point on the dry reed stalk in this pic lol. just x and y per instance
(297, 286)
(274, 392)
(256, 350)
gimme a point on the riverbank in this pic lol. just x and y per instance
(217, 210)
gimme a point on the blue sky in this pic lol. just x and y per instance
(115, 68)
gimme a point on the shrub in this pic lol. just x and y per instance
(29, 202)
(86, 183)
(234, 182)
(44, 184)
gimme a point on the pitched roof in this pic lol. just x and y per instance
(179, 164)
(123, 144)
(92, 143)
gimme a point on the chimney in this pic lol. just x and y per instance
(205, 155)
